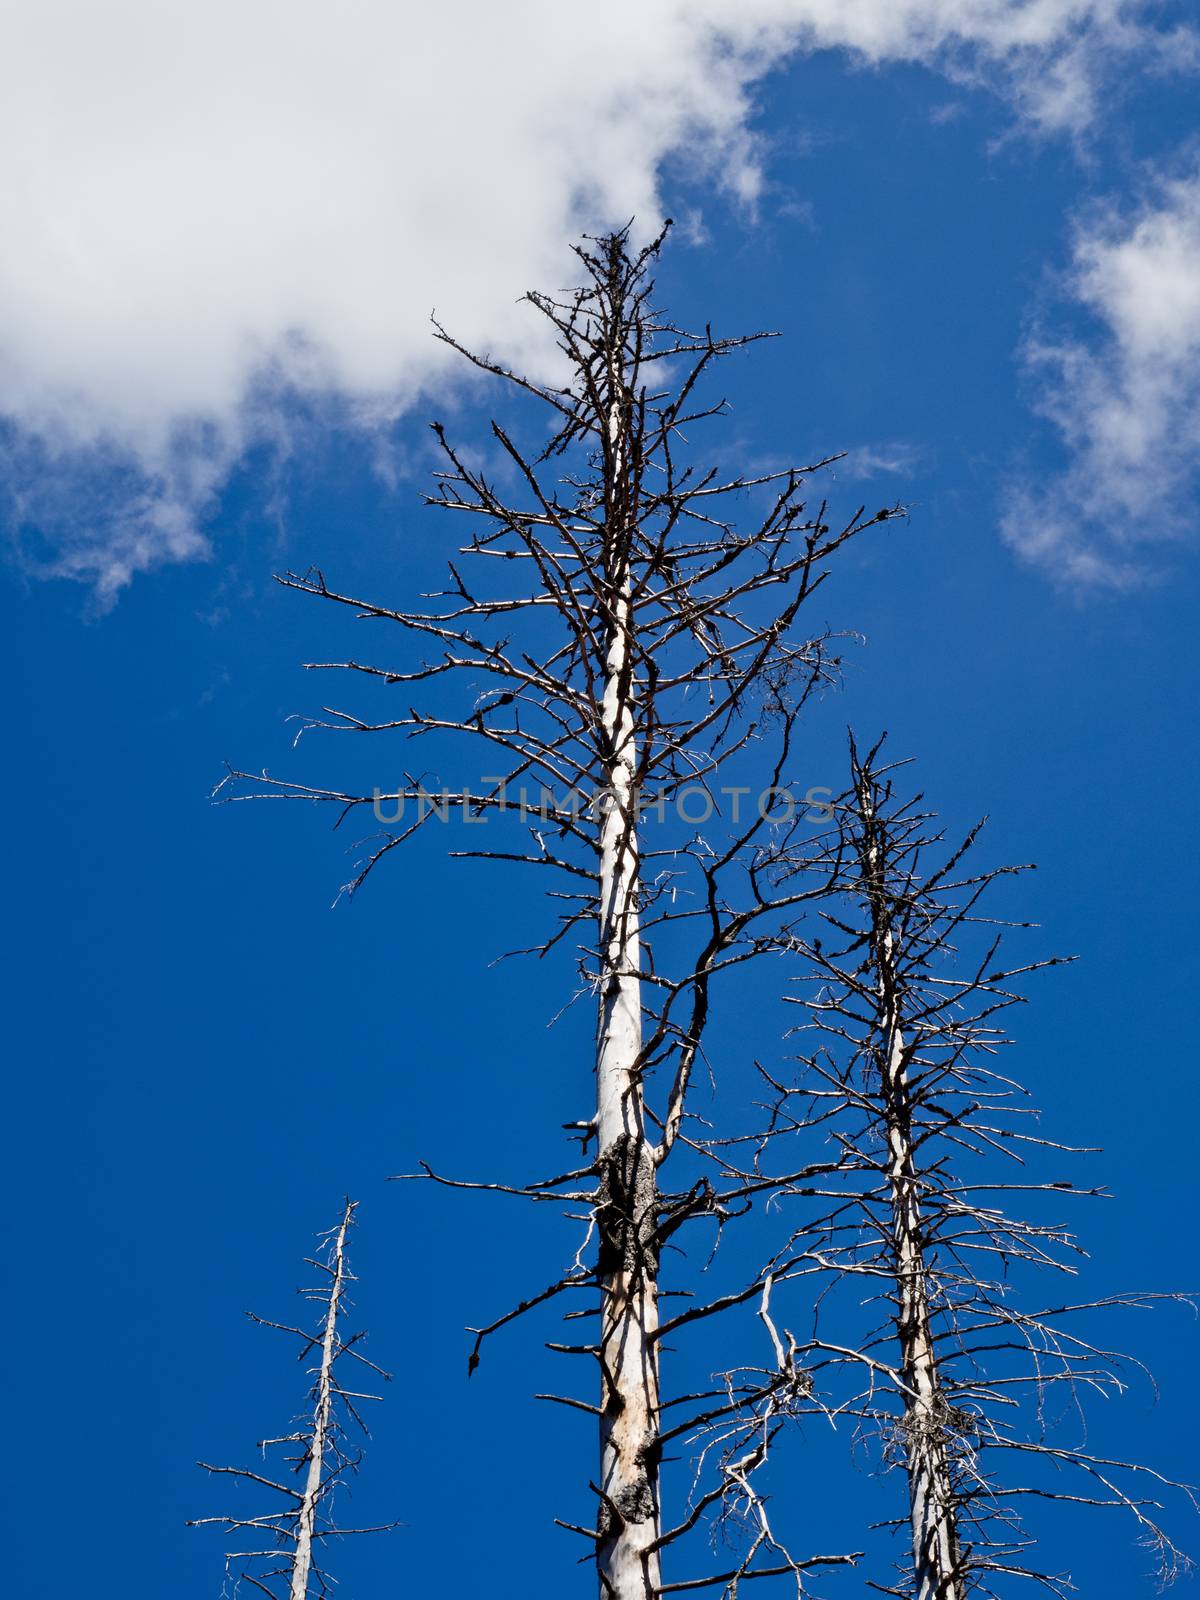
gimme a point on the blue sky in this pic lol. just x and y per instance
(978, 229)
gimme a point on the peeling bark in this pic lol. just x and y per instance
(629, 1520)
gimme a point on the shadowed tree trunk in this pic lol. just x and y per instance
(629, 1520)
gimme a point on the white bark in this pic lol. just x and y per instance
(936, 1554)
(931, 1503)
(629, 1518)
(306, 1517)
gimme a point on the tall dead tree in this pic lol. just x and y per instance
(623, 647)
(906, 988)
(317, 1454)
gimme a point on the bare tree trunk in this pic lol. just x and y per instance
(904, 1006)
(314, 1483)
(937, 1564)
(629, 1521)
(280, 1550)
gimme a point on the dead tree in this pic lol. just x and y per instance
(318, 1453)
(619, 644)
(906, 988)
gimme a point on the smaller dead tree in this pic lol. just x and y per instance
(317, 1455)
(972, 1378)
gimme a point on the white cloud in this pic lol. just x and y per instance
(1126, 403)
(895, 458)
(198, 194)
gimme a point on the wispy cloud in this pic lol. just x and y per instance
(197, 195)
(1124, 396)
(895, 459)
